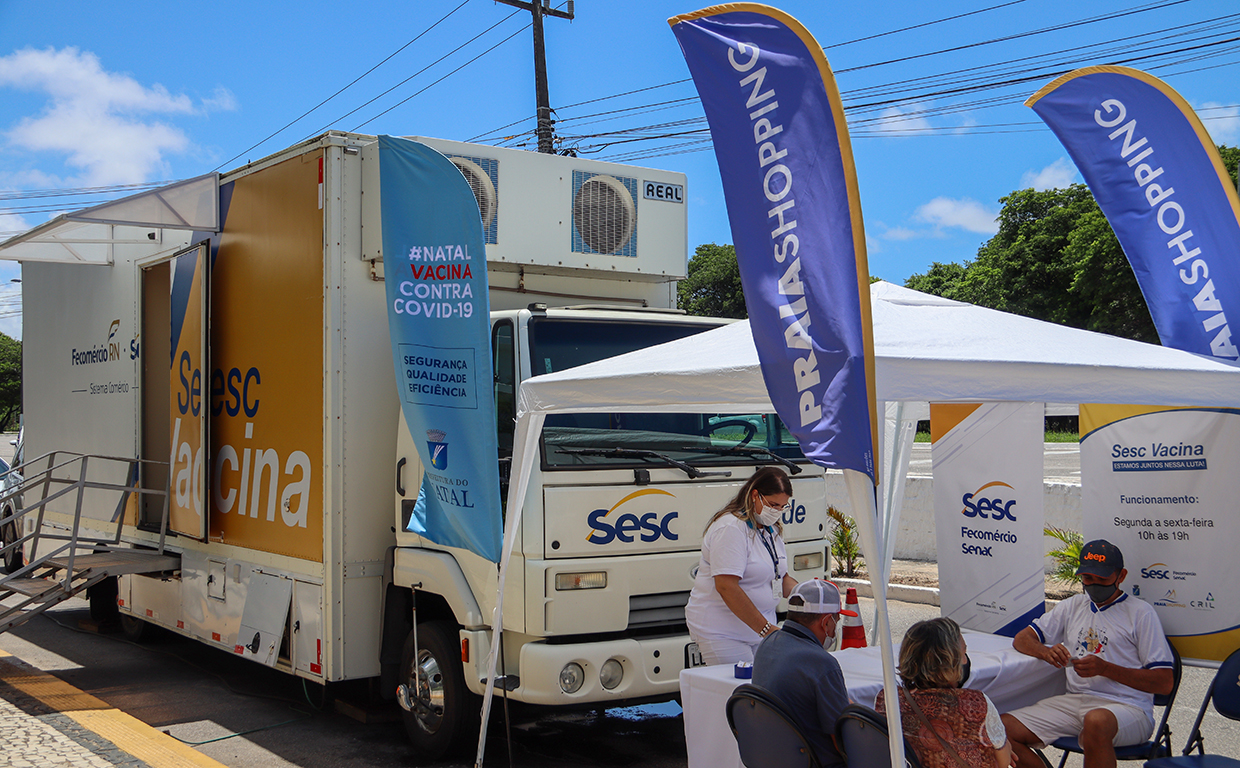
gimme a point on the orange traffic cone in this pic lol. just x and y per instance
(853, 633)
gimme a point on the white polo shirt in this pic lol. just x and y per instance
(730, 547)
(1126, 632)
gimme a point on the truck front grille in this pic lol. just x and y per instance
(666, 609)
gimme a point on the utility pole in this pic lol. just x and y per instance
(540, 8)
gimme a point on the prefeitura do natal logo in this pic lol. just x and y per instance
(438, 447)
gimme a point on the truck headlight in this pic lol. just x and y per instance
(810, 561)
(571, 677)
(567, 581)
(611, 674)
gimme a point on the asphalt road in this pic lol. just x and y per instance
(254, 717)
(1061, 462)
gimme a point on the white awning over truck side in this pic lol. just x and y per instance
(89, 235)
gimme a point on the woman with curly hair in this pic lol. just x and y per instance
(948, 726)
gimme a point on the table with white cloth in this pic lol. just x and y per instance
(1010, 678)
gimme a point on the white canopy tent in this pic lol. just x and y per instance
(90, 235)
(926, 348)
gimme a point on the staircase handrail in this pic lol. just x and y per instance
(50, 466)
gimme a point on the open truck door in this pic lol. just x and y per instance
(175, 394)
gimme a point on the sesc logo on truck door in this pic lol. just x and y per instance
(630, 526)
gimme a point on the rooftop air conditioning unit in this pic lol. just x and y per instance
(548, 213)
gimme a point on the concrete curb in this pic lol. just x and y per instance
(117, 729)
(903, 592)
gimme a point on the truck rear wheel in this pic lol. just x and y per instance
(446, 714)
(12, 558)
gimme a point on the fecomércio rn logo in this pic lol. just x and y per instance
(109, 350)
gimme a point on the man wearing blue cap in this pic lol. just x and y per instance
(793, 664)
(1117, 659)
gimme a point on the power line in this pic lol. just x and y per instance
(440, 80)
(355, 81)
(420, 71)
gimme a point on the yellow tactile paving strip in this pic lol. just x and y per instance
(128, 733)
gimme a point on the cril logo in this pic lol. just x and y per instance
(438, 448)
(652, 528)
(998, 509)
(1155, 571)
(1203, 605)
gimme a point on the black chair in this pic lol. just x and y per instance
(1225, 692)
(862, 735)
(1159, 744)
(765, 733)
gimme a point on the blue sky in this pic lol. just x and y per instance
(96, 95)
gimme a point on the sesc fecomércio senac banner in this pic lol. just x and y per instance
(791, 190)
(1159, 179)
(439, 322)
(1160, 483)
(988, 513)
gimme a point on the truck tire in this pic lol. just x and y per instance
(447, 714)
(136, 630)
(13, 558)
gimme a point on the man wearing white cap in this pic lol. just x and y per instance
(794, 665)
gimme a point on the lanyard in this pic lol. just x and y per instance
(768, 543)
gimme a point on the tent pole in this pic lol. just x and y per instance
(862, 495)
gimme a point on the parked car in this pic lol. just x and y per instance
(10, 502)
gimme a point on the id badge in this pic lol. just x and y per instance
(777, 589)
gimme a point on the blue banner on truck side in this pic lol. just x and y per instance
(439, 322)
(784, 155)
(1160, 181)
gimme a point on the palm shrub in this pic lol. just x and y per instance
(845, 547)
(1067, 557)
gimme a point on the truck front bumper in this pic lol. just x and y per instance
(651, 670)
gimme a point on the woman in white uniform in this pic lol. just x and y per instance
(743, 572)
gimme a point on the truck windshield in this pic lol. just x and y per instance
(582, 440)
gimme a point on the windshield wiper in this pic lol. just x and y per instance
(750, 452)
(631, 453)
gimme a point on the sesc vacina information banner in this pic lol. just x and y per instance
(439, 323)
(1160, 483)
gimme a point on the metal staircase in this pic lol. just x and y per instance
(65, 560)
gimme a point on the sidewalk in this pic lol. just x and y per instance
(44, 721)
(917, 581)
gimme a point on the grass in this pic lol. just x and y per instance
(1052, 436)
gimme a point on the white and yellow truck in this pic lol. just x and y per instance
(292, 493)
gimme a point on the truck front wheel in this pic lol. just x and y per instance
(445, 714)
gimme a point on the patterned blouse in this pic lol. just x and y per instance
(965, 718)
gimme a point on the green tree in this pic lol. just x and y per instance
(1054, 258)
(941, 280)
(712, 287)
(10, 382)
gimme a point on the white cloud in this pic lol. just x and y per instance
(1057, 175)
(220, 100)
(104, 123)
(904, 233)
(966, 214)
(1222, 121)
(897, 120)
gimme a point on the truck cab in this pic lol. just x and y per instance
(594, 610)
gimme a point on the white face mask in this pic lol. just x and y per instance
(830, 641)
(769, 516)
